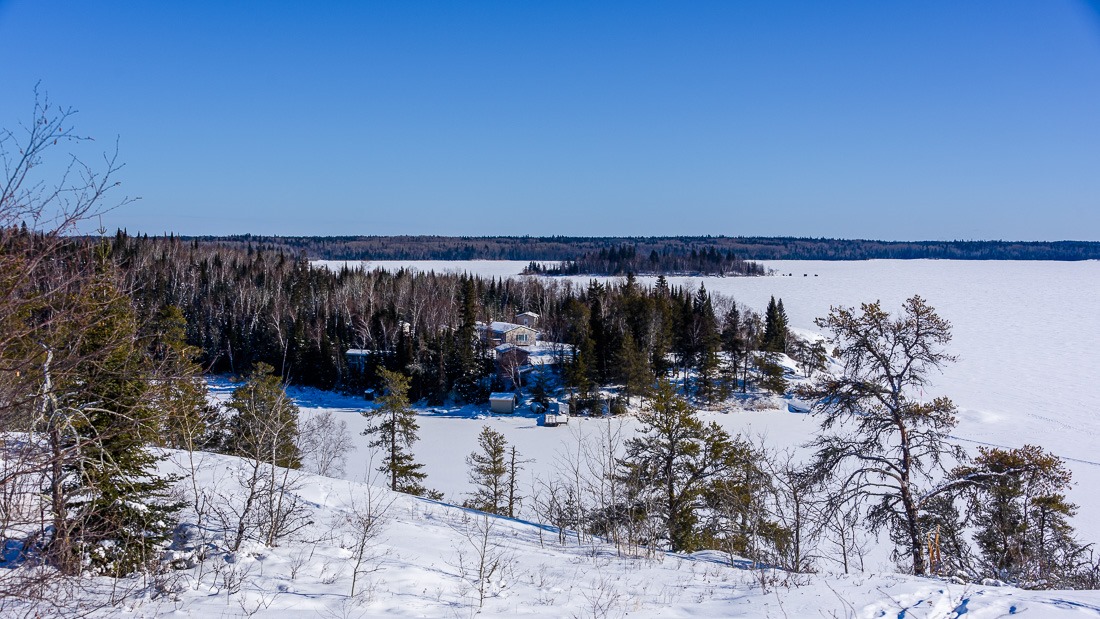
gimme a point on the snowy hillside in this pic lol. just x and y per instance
(422, 558)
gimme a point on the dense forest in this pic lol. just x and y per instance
(247, 306)
(624, 260)
(565, 248)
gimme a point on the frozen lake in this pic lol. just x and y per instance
(1027, 335)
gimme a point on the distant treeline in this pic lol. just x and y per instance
(242, 308)
(624, 259)
(565, 248)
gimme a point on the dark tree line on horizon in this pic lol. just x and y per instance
(567, 248)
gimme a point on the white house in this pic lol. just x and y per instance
(496, 333)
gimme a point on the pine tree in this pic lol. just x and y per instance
(889, 447)
(1018, 504)
(265, 424)
(488, 472)
(394, 428)
(672, 461)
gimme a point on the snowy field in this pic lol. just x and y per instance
(423, 560)
(1027, 335)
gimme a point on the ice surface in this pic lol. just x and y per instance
(1027, 334)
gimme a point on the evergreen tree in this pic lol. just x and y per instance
(672, 462)
(707, 344)
(116, 512)
(889, 447)
(772, 373)
(489, 472)
(661, 328)
(265, 424)
(468, 369)
(637, 377)
(733, 344)
(577, 372)
(188, 419)
(540, 394)
(775, 327)
(1018, 504)
(394, 430)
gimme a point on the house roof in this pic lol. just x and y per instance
(503, 395)
(503, 348)
(532, 314)
(505, 327)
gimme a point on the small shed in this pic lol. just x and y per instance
(503, 402)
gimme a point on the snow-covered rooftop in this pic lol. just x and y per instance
(505, 327)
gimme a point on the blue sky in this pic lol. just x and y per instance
(893, 120)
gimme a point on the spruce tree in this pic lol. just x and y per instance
(637, 376)
(394, 430)
(467, 368)
(707, 344)
(775, 327)
(733, 344)
(540, 393)
(181, 396)
(265, 424)
(116, 510)
(489, 472)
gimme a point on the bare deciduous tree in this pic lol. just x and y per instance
(324, 442)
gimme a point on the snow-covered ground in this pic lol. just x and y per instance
(1027, 334)
(424, 560)
(1028, 337)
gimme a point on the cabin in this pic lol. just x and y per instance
(497, 333)
(557, 415)
(503, 402)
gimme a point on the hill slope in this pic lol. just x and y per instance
(425, 559)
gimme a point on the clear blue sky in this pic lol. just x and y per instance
(894, 120)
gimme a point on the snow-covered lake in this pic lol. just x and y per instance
(1027, 335)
